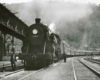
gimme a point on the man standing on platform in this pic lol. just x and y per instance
(64, 56)
(13, 59)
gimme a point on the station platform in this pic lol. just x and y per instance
(72, 69)
(8, 63)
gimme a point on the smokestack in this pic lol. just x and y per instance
(37, 20)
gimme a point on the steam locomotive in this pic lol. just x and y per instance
(41, 47)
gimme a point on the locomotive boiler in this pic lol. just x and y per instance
(40, 48)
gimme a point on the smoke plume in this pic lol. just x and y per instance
(64, 15)
(49, 11)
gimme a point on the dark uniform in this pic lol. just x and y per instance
(13, 59)
(64, 56)
(92, 55)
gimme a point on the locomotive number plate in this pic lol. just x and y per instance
(35, 36)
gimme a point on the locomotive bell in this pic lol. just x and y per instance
(37, 20)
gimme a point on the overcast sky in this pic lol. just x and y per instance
(79, 1)
(58, 15)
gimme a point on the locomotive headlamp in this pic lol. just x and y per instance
(35, 31)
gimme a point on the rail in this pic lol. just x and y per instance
(90, 68)
(75, 77)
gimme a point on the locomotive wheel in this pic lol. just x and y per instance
(48, 62)
(52, 61)
(40, 64)
(44, 63)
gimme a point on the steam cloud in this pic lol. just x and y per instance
(59, 12)
(49, 11)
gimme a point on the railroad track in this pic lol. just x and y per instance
(22, 78)
(8, 67)
(93, 60)
(97, 73)
(76, 73)
(10, 73)
(7, 70)
(33, 72)
(19, 74)
(22, 74)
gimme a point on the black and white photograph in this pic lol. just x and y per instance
(49, 40)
